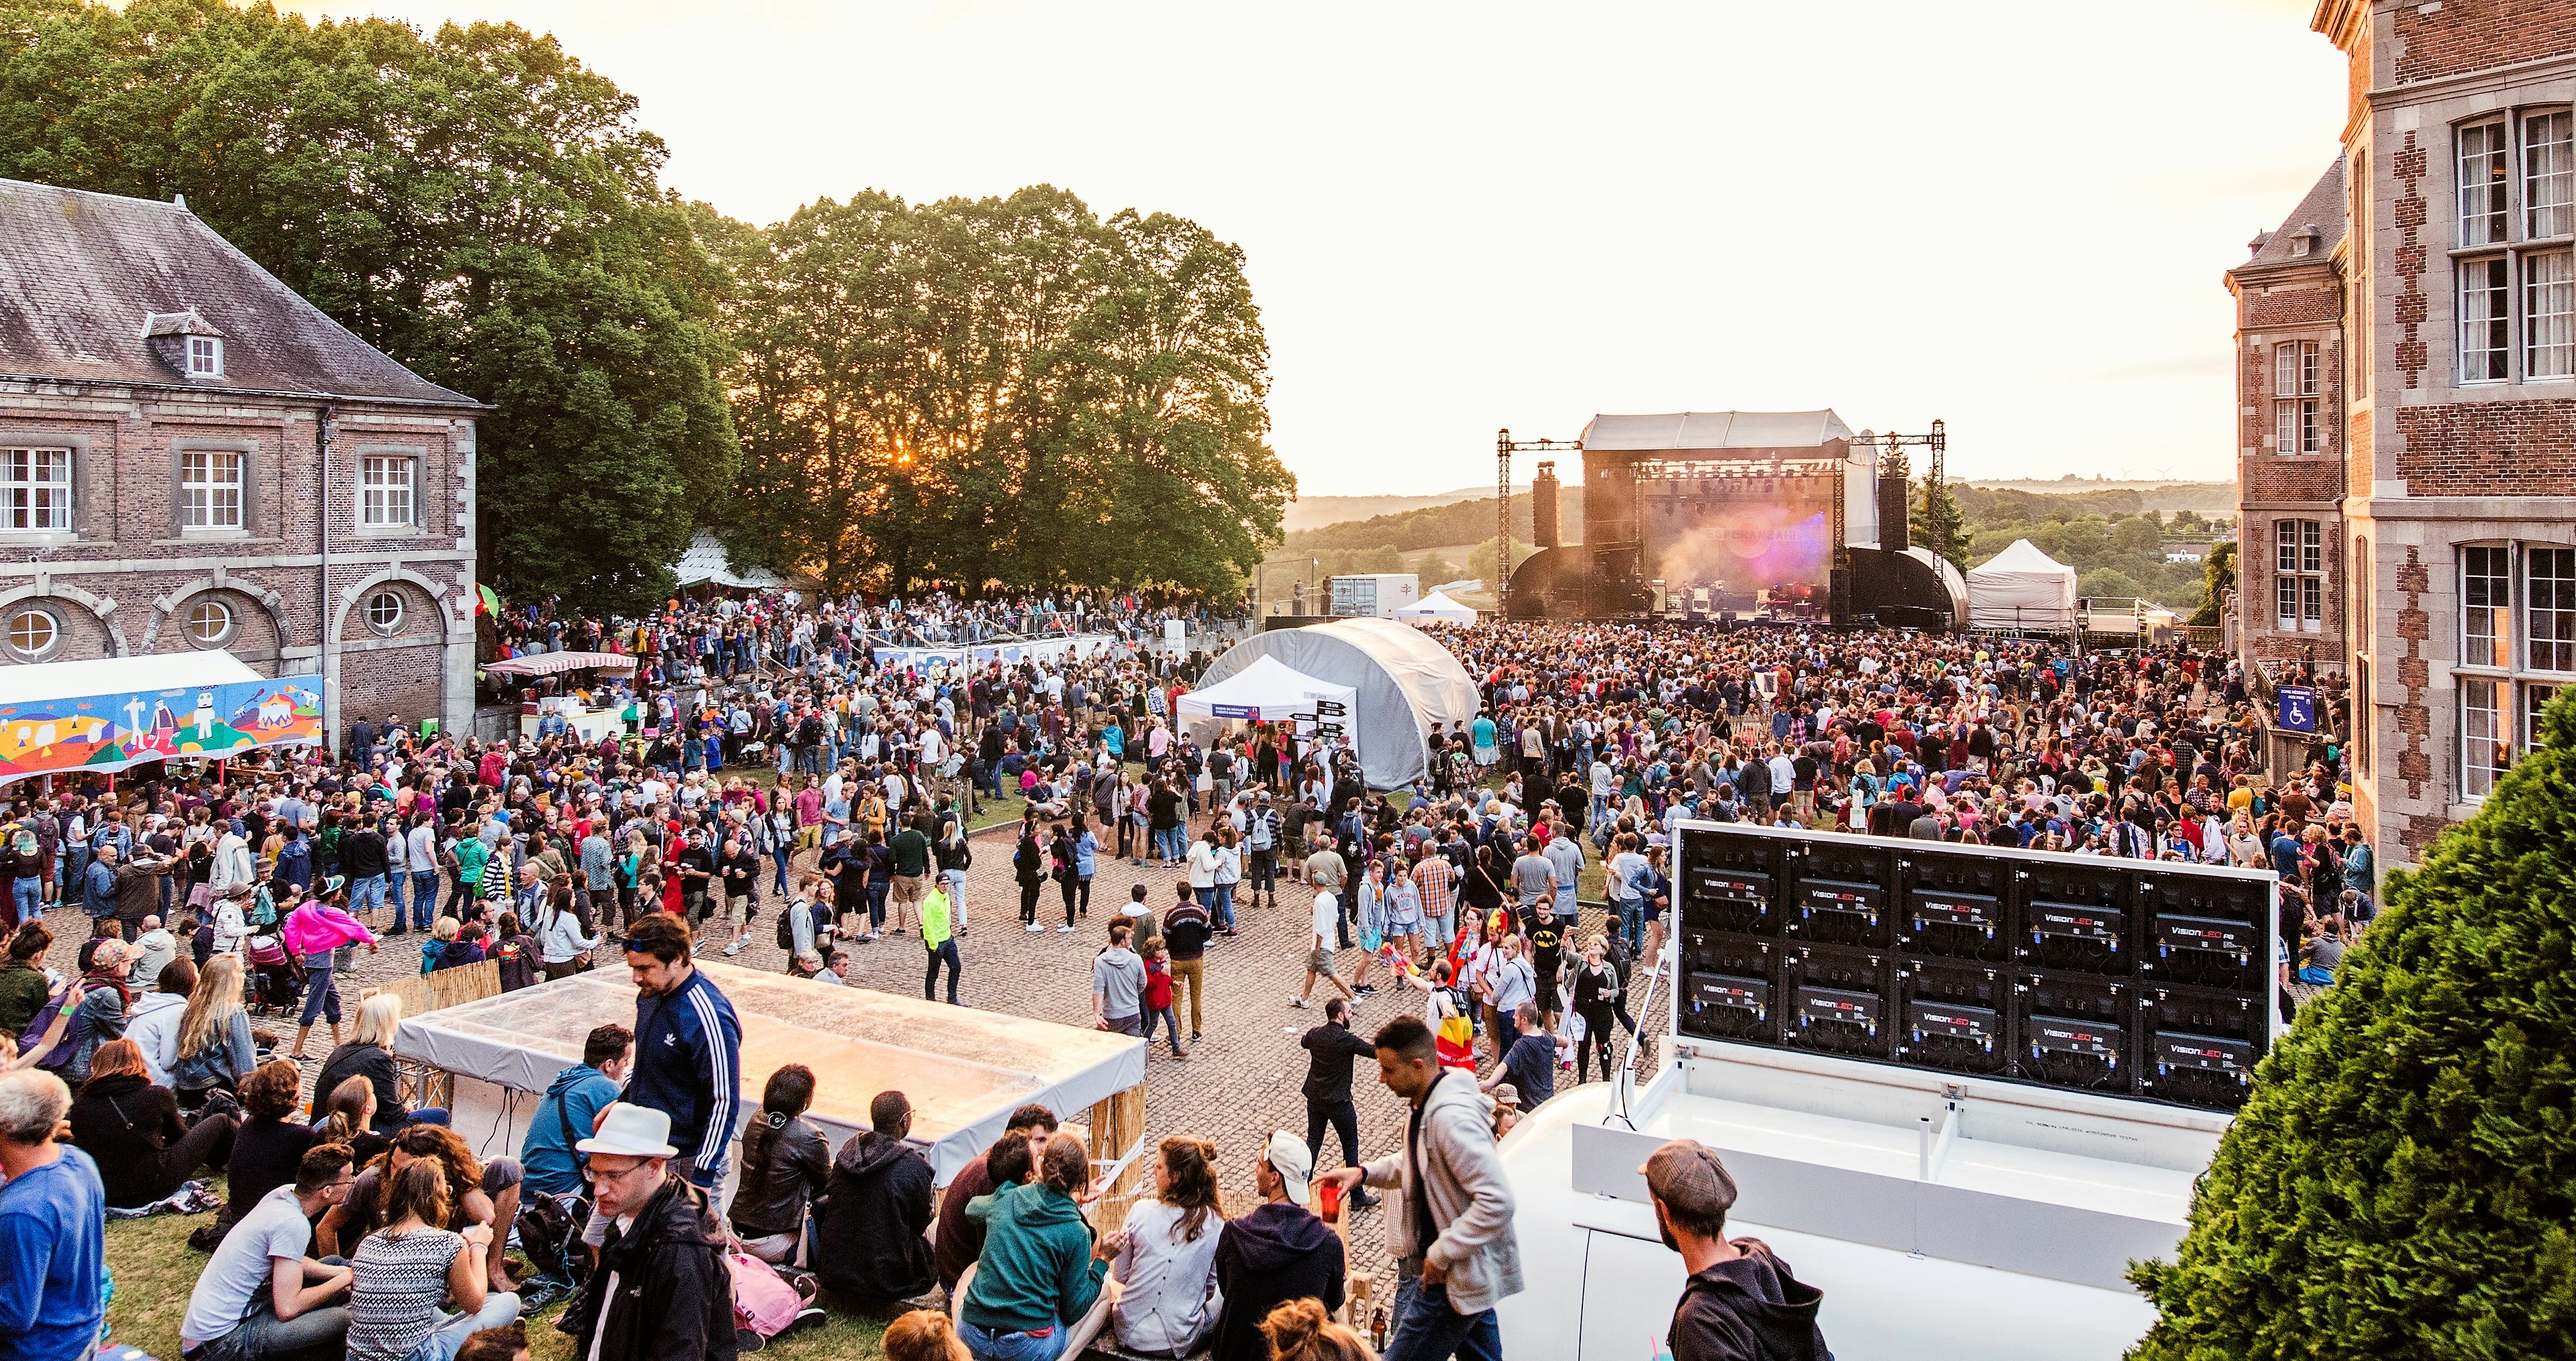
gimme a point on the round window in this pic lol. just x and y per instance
(32, 633)
(385, 612)
(210, 623)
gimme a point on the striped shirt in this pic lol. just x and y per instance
(396, 1287)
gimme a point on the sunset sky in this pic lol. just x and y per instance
(2011, 214)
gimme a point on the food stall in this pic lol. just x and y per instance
(550, 688)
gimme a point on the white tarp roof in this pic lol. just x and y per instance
(1269, 689)
(36, 682)
(556, 663)
(964, 1069)
(1716, 430)
(1404, 681)
(705, 563)
(2021, 587)
(1437, 605)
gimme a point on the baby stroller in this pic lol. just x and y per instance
(276, 983)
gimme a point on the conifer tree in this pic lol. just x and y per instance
(2402, 1181)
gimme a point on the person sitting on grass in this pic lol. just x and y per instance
(486, 1194)
(406, 1272)
(261, 1295)
(132, 1127)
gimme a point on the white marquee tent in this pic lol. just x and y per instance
(2021, 587)
(1269, 689)
(1402, 683)
(1437, 608)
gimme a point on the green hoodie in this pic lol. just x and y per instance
(1037, 1270)
(934, 918)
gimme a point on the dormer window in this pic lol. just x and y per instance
(2304, 243)
(205, 357)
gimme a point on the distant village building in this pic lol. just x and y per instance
(193, 456)
(2407, 387)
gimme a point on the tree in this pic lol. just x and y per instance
(1435, 569)
(475, 203)
(1002, 391)
(2402, 1180)
(1937, 523)
(2218, 577)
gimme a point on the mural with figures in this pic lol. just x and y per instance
(112, 731)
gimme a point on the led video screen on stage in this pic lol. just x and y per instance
(2123, 977)
(1739, 535)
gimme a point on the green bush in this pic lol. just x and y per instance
(2402, 1180)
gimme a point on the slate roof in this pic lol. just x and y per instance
(84, 277)
(2322, 209)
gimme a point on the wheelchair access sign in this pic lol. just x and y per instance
(2298, 708)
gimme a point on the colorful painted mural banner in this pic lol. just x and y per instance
(112, 731)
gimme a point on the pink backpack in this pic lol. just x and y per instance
(762, 1301)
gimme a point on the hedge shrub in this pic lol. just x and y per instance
(2402, 1179)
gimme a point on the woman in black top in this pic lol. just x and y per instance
(785, 1165)
(1029, 867)
(270, 1141)
(369, 1054)
(131, 1128)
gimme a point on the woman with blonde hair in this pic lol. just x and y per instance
(1165, 1257)
(215, 1049)
(1300, 1330)
(370, 1054)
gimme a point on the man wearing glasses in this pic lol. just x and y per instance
(259, 1295)
(660, 1288)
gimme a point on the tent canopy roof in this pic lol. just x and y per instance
(38, 682)
(1266, 684)
(705, 563)
(2023, 558)
(1717, 430)
(1403, 682)
(1437, 605)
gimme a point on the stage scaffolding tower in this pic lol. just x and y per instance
(1504, 447)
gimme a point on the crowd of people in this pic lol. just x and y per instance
(766, 753)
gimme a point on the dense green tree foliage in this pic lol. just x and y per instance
(474, 202)
(2402, 1181)
(1001, 391)
(1442, 526)
(1936, 523)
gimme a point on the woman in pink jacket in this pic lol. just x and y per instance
(321, 933)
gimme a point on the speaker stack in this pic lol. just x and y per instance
(2121, 977)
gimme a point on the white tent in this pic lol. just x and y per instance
(1436, 608)
(1268, 690)
(2021, 587)
(1405, 682)
(706, 564)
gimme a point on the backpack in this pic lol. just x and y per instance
(787, 926)
(60, 1055)
(550, 1229)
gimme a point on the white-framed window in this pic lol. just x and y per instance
(31, 633)
(385, 613)
(36, 490)
(2299, 576)
(2486, 733)
(210, 622)
(2298, 385)
(2535, 700)
(205, 357)
(388, 491)
(2549, 587)
(210, 489)
(2486, 606)
(2516, 308)
(2483, 195)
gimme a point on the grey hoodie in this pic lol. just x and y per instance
(1471, 1203)
(1118, 980)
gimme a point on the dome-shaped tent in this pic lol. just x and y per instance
(1402, 680)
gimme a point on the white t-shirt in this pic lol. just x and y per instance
(237, 1278)
(1167, 1304)
(1328, 915)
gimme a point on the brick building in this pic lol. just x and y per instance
(192, 456)
(2448, 375)
(2290, 465)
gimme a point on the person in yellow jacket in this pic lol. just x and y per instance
(940, 942)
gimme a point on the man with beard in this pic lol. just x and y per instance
(1740, 1302)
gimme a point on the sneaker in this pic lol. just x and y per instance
(1297, 1002)
(1182, 1054)
(1194, 1037)
(1365, 990)
(745, 1340)
(733, 949)
(538, 1293)
(809, 1317)
(1033, 928)
(1362, 1200)
(1065, 930)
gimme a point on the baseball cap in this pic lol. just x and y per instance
(1688, 1176)
(1288, 1157)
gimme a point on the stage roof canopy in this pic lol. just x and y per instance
(1716, 430)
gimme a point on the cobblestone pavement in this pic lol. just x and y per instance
(1241, 1081)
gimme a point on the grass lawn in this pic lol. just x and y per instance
(155, 1272)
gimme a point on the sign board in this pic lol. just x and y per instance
(2298, 708)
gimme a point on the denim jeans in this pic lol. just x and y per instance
(424, 899)
(28, 895)
(497, 1312)
(986, 1345)
(367, 895)
(1175, 842)
(956, 881)
(263, 1335)
(1163, 1017)
(1427, 1329)
(1632, 922)
(1222, 915)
